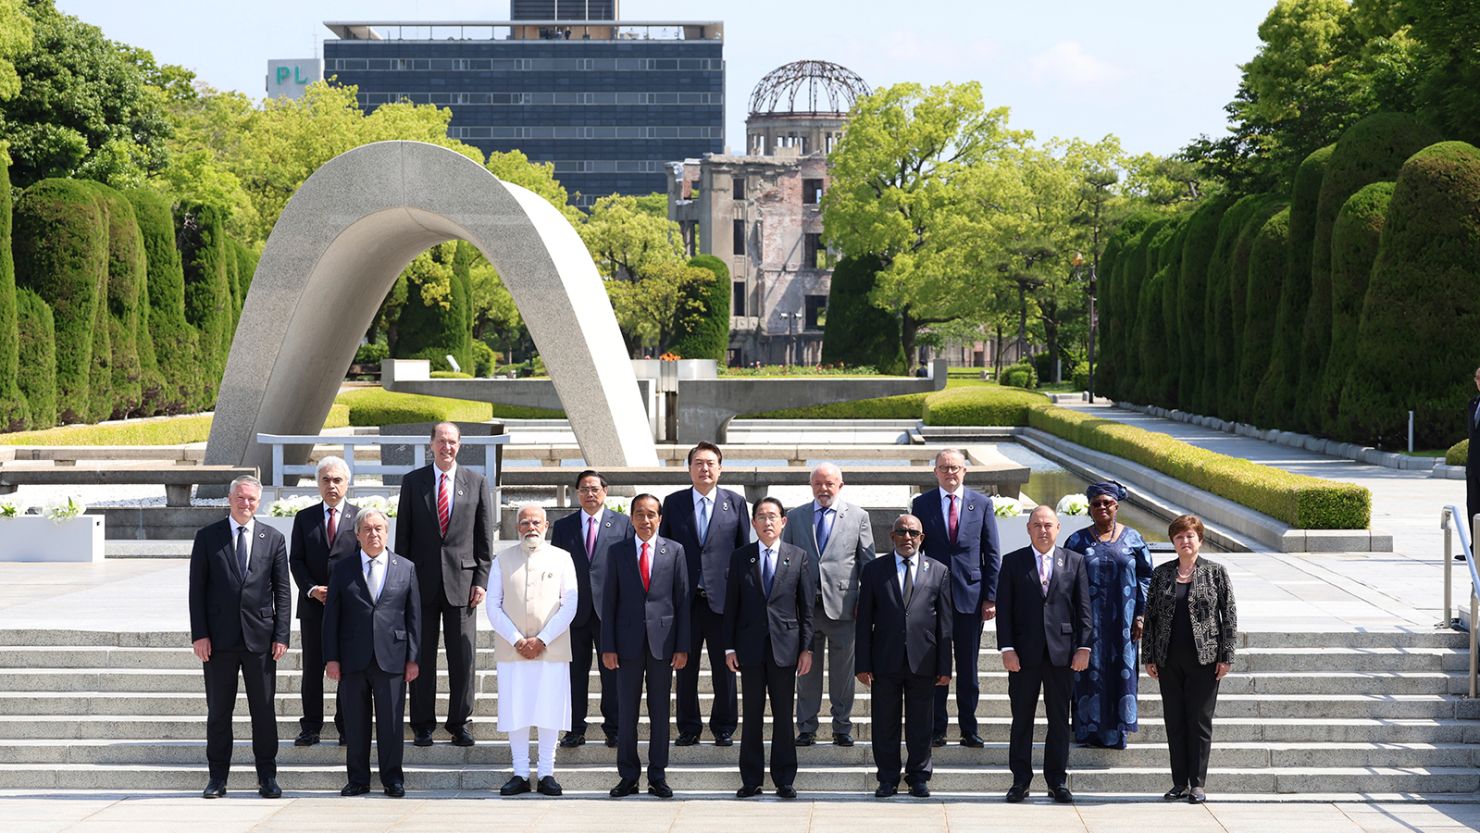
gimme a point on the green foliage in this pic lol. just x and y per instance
(177, 430)
(1155, 371)
(127, 273)
(980, 405)
(374, 406)
(14, 415)
(1200, 237)
(16, 38)
(652, 309)
(173, 339)
(435, 321)
(1458, 454)
(904, 406)
(1448, 66)
(1298, 500)
(372, 353)
(1354, 246)
(857, 332)
(1227, 297)
(200, 234)
(61, 253)
(1080, 379)
(1020, 375)
(37, 375)
(1298, 301)
(483, 359)
(1269, 261)
(1423, 292)
(450, 374)
(706, 335)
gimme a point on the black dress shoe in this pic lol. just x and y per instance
(1197, 796)
(421, 739)
(842, 739)
(885, 790)
(806, 738)
(1016, 793)
(306, 738)
(660, 788)
(268, 788)
(518, 785)
(549, 786)
(938, 741)
(973, 741)
(215, 788)
(786, 791)
(611, 741)
(572, 740)
(686, 739)
(396, 790)
(462, 737)
(748, 792)
(623, 788)
(1175, 794)
(920, 789)
(354, 789)
(1061, 795)
(723, 739)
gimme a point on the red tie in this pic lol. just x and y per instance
(642, 567)
(444, 506)
(333, 528)
(955, 518)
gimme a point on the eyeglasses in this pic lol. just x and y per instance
(908, 533)
(772, 517)
(590, 490)
(1102, 503)
(950, 469)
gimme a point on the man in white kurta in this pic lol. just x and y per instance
(532, 593)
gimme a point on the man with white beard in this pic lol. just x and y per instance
(532, 593)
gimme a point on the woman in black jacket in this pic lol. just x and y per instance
(1191, 625)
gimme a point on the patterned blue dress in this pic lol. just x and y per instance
(1105, 693)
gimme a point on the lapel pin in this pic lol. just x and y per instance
(752, 560)
(725, 506)
(970, 507)
(608, 524)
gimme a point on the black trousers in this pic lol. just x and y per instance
(583, 639)
(966, 641)
(631, 674)
(909, 696)
(779, 683)
(459, 629)
(705, 627)
(1023, 687)
(382, 693)
(1189, 696)
(311, 633)
(259, 672)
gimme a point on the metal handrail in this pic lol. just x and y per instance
(1467, 533)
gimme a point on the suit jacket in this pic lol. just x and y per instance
(567, 534)
(447, 567)
(729, 530)
(359, 630)
(1473, 433)
(889, 638)
(1028, 621)
(1210, 606)
(975, 557)
(239, 612)
(835, 571)
(311, 555)
(660, 614)
(784, 618)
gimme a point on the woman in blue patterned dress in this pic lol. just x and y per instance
(1119, 566)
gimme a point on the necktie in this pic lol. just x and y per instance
(909, 582)
(768, 570)
(703, 520)
(644, 568)
(241, 550)
(1043, 575)
(824, 529)
(374, 578)
(444, 506)
(333, 527)
(590, 537)
(955, 523)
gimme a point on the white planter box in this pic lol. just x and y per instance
(35, 538)
(1012, 533)
(285, 526)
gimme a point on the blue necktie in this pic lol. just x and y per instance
(768, 570)
(824, 529)
(703, 520)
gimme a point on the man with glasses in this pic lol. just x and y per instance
(961, 533)
(903, 652)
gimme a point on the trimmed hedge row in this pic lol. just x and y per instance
(1458, 454)
(178, 430)
(980, 405)
(36, 376)
(708, 336)
(174, 340)
(904, 406)
(376, 406)
(14, 415)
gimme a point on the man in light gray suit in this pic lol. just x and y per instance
(838, 540)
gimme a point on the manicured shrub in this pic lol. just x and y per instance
(430, 329)
(246, 269)
(1169, 265)
(14, 415)
(1458, 454)
(200, 234)
(1020, 375)
(1354, 244)
(708, 335)
(857, 332)
(1416, 339)
(1081, 376)
(483, 359)
(980, 405)
(37, 375)
(172, 338)
(1108, 357)
(904, 406)
(127, 272)
(61, 253)
(1268, 263)
(372, 353)
(1198, 244)
(376, 406)
(1229, 261)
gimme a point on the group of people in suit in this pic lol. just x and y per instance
(777, 598)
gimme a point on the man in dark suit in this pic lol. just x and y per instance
(372, 642)
(768, 639)
(444, 525)
(1472, 458)
(709, 523)
(322, 535)
(588, 535)
(961, 533)
(903, 651)
(644, 628)
(240, 614)
(1043, 630)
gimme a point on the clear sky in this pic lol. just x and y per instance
(1154, 72)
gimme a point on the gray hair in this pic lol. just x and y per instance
(956, 451)
(331, 462)
(827, 468)
(536, 507)
(244, 480)
(365, 514)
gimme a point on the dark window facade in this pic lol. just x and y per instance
(811, 191)
(738, 232)
(813, 252)
(739, 187)
(737, 303)
(562, 10)
(816, 311)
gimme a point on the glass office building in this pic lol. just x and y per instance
(608, 102)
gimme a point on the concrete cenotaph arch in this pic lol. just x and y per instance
(335, 253)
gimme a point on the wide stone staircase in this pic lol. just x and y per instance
(1303, 713)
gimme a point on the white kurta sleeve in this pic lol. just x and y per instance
(502, 624)
(569, 597)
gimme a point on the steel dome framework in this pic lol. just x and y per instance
(805, 87)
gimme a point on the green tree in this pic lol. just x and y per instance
(200, 235)
(127, 273)
(16, 38)
(37, 375)
(173, 339)
(435, 320)
(1268, 266)
(1198, 246)
(858, 333)
(650, 311)
(1354, 246)
(641, 256)
(14, 415)
(707, 335)
(1447, 88)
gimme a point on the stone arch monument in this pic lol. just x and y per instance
(336, 251)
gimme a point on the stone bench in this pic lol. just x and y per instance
(177, 480)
